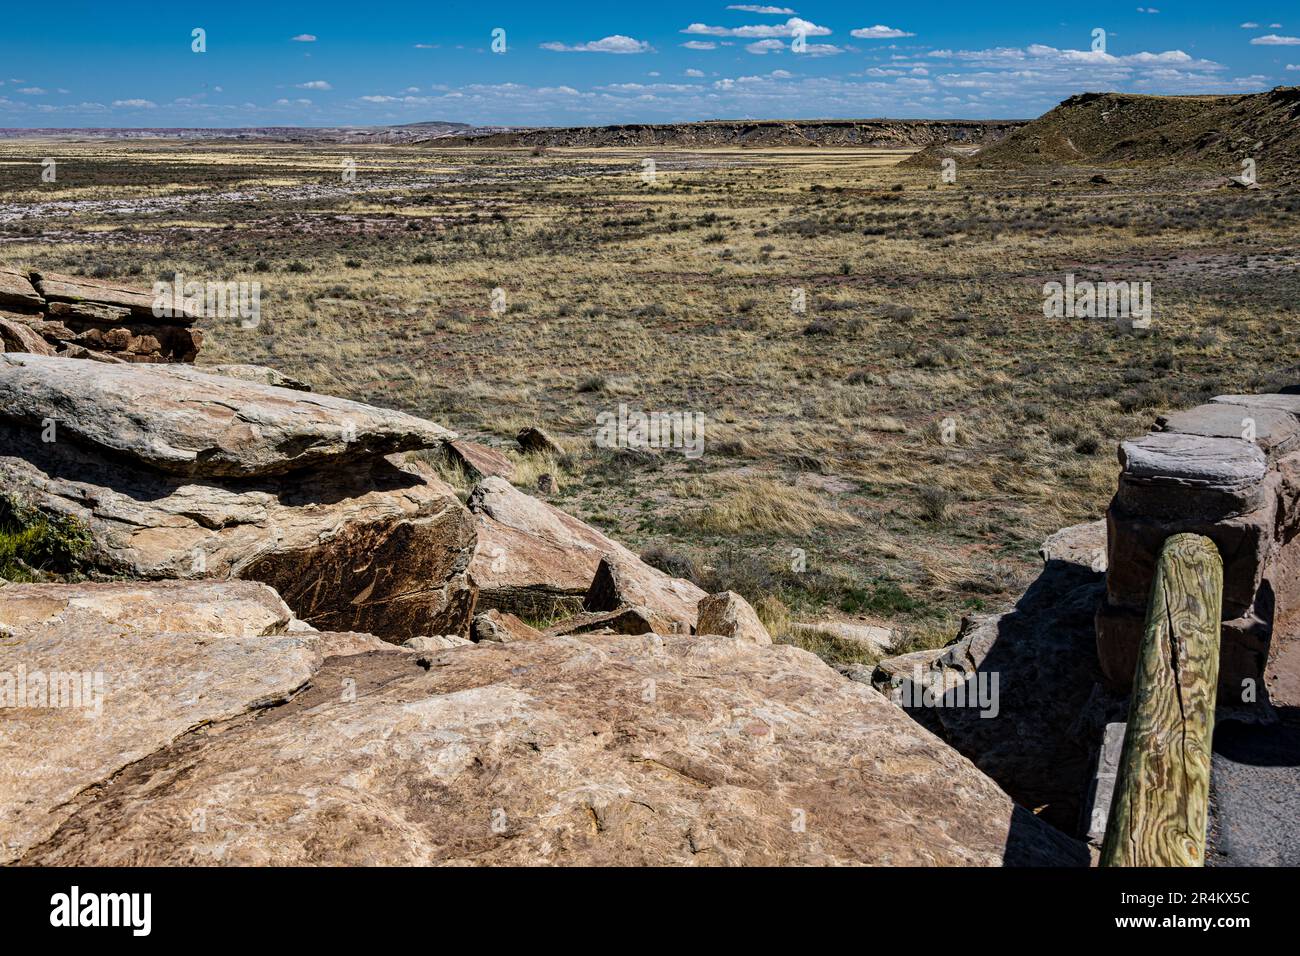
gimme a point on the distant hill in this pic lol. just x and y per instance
(879, 133)
(1105, 129)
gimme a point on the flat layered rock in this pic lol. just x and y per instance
(550, 752)
(1182, 459)
(85, 702)
(1277, 432)
(57, 287)
(224, 608)
(1282, 403)
(18, 293)
(375, 547)
(185, 422)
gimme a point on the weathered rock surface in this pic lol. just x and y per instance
(260, 374)
(80, 290)
(1080, 544)
(480, 461)
(1218, 474)
(123, 689)
(537, 561)
(624, 580)
(20, 337)
(1276, 432)
(186, 422)
(435, 642)
(374, 547)
(731, 615)
(18, 293)
(218, 608)
(87, 318)
(503, 628)
(538, 752)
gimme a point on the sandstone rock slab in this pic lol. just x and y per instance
(548, 753)
(480, 461)
(18, 293)
(20, 337)
(623, 580)
(121, 694)
(57, 287)
(219, 608)
(538, 561)
(186, 422)
(377, 548)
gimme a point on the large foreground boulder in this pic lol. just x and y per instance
(610, 750)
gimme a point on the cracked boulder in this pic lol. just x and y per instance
(617, 750)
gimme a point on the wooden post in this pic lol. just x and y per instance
(1160, 809)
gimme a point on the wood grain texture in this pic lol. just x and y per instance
(1159, 812)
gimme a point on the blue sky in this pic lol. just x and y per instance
(327, 63)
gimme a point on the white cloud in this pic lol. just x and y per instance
(1293, 66)
(754, 8)
(135, 104)
(700, 45)
(790, 28)
(695, 73)
(315, 85)
(1273, 39)
(611, 44)
(1250, 25)
(427, 46)
(763, 47)
(33, 91)
(781, 74)
(1147, 10)
(304, 38)
(879, 32)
